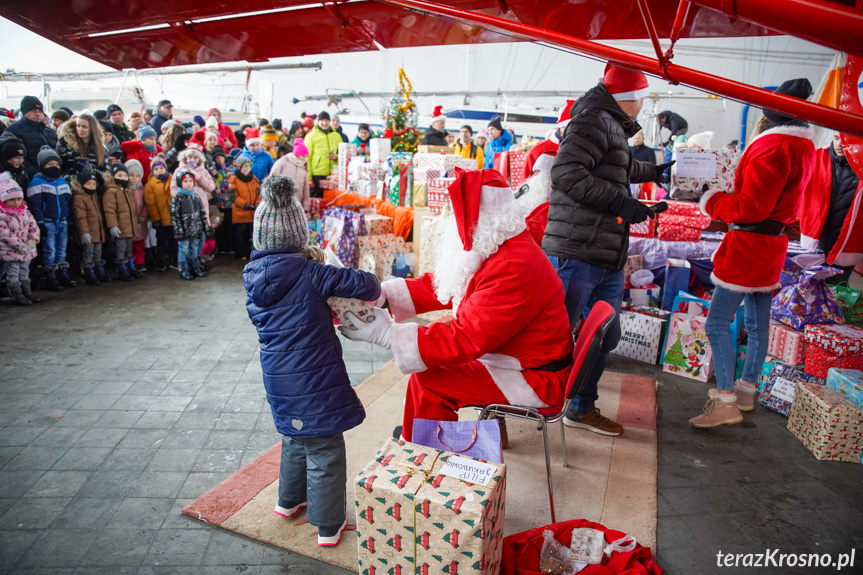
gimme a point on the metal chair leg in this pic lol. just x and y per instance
(563, 443)
(548, 469)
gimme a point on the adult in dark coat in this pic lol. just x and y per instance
(640, 152)
(436, 134)
(116, 117)
(590, 211)
(674, 123)
(164, 114)
(32, 130)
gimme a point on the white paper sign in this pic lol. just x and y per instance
(469, 470)
(783, 389)
(701, 166)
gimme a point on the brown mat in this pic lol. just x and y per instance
(610, 480)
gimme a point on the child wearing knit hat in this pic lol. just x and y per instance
(90, 225)
(157, 198)
(19, 235)
(245, 196)
(270, 140)
(189, 222)
(293, 165)
(139, 242)
(307, 385)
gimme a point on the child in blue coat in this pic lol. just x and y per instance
(307, 384)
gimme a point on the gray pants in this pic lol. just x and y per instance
(314, 469)
(91, 255)
(16, 272)
(122, 250)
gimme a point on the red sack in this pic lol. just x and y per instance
(521, 552)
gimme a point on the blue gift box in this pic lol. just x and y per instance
(848, 382)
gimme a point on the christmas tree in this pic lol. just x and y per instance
(401, 117)
(674, 355)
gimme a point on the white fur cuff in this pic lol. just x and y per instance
(742, 289)
(399, 298)
(809, 244)
(404, 342)
(702, 203)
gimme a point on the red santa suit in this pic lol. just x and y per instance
(509, 340)
(771, 175)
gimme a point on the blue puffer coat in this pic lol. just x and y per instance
(502, 144)
(307, 384)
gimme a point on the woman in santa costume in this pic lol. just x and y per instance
(509, 339)
(771, 175)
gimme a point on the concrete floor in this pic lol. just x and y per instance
(122, 403)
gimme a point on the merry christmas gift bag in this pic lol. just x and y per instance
(826, 423)
(779, 390)
(641, 336)
(687, 349)
(422, 510)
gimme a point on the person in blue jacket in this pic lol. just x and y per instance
(307, 384)
(501, 141)
(49, 198)
(262, 162)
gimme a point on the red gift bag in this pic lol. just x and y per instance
(521, 552)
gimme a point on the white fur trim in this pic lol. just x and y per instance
(437, 119)
(742, 289)
(254, 141)
(796, 131)
(846, 260)
(495, 200)
(543, 163)
(500, 360)
(564, 124)
(702, 203)
(513, 386)
(399, 298)
(631, 95)
(809, 244)
(404, 342)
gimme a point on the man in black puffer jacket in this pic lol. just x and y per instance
(32, 130)
(590, 211)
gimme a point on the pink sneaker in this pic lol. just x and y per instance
(287, 512)
(332, 540)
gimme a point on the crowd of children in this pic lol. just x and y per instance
(113, 192)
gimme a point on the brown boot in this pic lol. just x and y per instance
(596, 422)
(746, 394)
(717, 412)
(504, 436)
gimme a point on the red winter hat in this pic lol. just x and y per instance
(564, 118)
(438, 114)
(625, 84)
(253, 136)
(475, 192)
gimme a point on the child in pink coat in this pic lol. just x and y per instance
(139, 247)
(19, 235)
(293, 165)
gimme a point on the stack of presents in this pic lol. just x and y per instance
(813, 374)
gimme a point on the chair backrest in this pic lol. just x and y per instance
(588, 344)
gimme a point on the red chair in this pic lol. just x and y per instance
(590, 337)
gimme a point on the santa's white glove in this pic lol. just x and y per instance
(381, 300)
(376, 332)
(115, 232)
(86, 239)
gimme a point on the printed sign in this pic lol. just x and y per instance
(702, 166)
(783, 389)
(469, 470)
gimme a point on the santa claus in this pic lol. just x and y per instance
(548, 147)
(509, 339)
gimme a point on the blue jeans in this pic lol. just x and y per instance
(314, 469)
(585, 284)
(757, 320)
(54, 248)
(188, 250)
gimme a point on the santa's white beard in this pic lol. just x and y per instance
(538, 193)
(455, 267)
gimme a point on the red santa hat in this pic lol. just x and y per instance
(194, 149)
(253, 136)
(625, 84)
(438, 114)
(563, 120)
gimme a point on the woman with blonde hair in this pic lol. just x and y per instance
(81, 142)
(170, 136)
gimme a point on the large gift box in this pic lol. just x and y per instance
(645, 229)
(346, 152)
(818, 361)
(826, 423)
(786, 343)
(778, 392)
(670, 233)
(377, 254)
(641, 336)
(421, 510)
(687, 349)
(379, 149)
(438, 193)
(697, 220)
(316, 207)
(437, 165)
(377, 224)
(697, 171)
(840, 340)
(848, 382)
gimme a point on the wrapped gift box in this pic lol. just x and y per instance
(818, 361)
(316, 207)
(687, 349)
(379, 149)
(641, 336)
(438, 193)
(741, 361)
(645, 229)
(346, 152)
(652, 311)
(467, 164)
(645, 296)
(412, 518)
(779, 390)
(420, 199)
(697, 171)
(633, 264)
(697, 221)
(848, 382)
(342, 305)
(680, 208)
(840, 340)
(438, 165)
(786, 343)
(671, 233)
(828, 424)
(377, 225)
(377, 254)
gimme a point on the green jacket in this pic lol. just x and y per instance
(320, 144)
